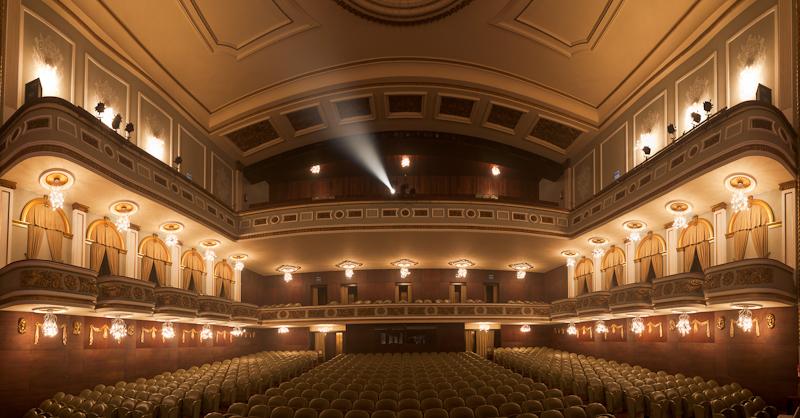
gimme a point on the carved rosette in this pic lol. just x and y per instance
(63, 281)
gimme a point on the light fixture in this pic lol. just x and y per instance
(749, 78)
(707, 107)
(405, 265)
(671, 130)
(49, 77)
(740, 185)
(283, 330)
(571, 262)
(680, 211)
(635, 230)
(171, 229)
(118, 329)
(209, 255)
(206, 333)
(598, 243)
(128, 130)
(324, 329)
(238, 261)
(495, 170)
(106, 114)
(646, 142)
(155, 147)
(637, 325)
(405, 162)
(56, 181)
(167, 330)
(287, 271)
(349, 267)
(462, 266)
(50, 324)
(745, 318)
(484, 327)
(392, 190)
(123, 210)
(683, 326)
(600, 327)
(570, 255)
(208, 244)
(315, 169)
(237, 331)
(572, 329)
(525, 328)
(171, 240)
(521, 268)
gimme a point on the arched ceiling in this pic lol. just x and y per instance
(268, 76)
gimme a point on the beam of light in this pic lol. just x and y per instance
(364, 149)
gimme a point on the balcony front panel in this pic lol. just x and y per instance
(244, 313)
(35, 283)
(563, 308)
(405, 312)
(756, 280)
(679, 290)
(631, 298)
(213, 307)
(593, 303)
(123, 294)
(173, 302)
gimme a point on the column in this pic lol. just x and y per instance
(720, 220)
(237, 285)
(132, 257)
(209, 286)
(672, 250)
(630, 265)
(79, 225)
(175, 268)
(788, 224)
(597, 275)
(571, 291)
(6, 216)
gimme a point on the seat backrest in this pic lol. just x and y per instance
(574, 412)
(430, 403)
(409, 413)
(356, 413)
(331, 413)
(486, 411)
(436, 413)
(382, 413)
(462, 412)
(305, 413)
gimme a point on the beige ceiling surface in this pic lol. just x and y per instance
(226, 61)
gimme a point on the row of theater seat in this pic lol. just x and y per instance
(183, 393)
(412, 385)
(633, 389)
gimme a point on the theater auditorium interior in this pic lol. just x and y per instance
(399, 208)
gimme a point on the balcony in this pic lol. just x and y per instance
(123, 294)
(27, 284)
(174, 302)
(683, 290)
(213, 308)
(756, 280)
(244, 313)
(631, 298)
(594, 303)
(563, 308)
(405, 312)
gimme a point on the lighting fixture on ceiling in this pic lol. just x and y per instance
(495, 170)
(123, 210)
(484, 327)
(206, 333)
(171, 240)
(740, 184)
(171, 229)
(405, 162)
(462, 265)
(287, 271)
(237, 331)
(56, 181)
(683, 325)
(572, 329)
(598, 243)
(209, 255)
(637, 325)
(680, 211)
(349, 266)
(405, 265)
(283, 330)
(167, 330)
(600, 327)
(238, 261)
(635, 230)
(571, 262)
(118, 329)
(324, 329)
(745, 317)
(208, 244)
(570, 255)
(525, 328)
(521, 269)
(50, 324)
(315, 169)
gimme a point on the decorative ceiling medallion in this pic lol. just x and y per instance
(404, 262)
(402, 12)
(286, 268)
(677, 207)
(56, 178)
(171, 227)
(124, 208)
(347, 264)
(521, 266)
(462, 263)
(239, 257)
(740, 182)
(598, 241)
(50, 309)
(209, 243)
(631, 226)
(569, 253)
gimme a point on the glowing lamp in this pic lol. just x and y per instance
(167, 330)
(683, 326)
(484, 327)
(749, 79)
(572, 329)
(48, 76)
(495, 170)
(315, 169)
(600, 327)
(50, 324)
(171, 240)
(206, 333)
(155, 147)
(209, 255)
(525, 328)
(405, 162)
(118, 329)
(637, 325)
(283, 330)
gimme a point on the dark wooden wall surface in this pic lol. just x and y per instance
(365, 338)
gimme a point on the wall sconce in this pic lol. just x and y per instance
(600, 327)
(167, 330)
(572, 329)
(637, 325)
(646, 143)
(708, 106)
(206, 333)
(745, 319)
(118, 329)
(237, 331)
(525, 328)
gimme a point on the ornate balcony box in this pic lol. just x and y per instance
(175, 302)
(684, 290)
(592, 303)
(33, 283)
(212, 307)
(563, 308)
(123, 294)
(754, 280)
(244, 313)
(631, 297)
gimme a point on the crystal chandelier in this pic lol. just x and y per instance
(167, 330)
(683, 326)
(745, 320)
(118, 329)
(171, 240)
(283, 330)
(50, 324)
(56, 181)
(210, 255)
(598, 252)
(637, 325)
(349, 268)
(600, 327)
(680, 222)
(462, 266)
(525, 328)
(521, 268)
(237, 332)
(404, 272)
(123, 223)
(206, 333)
(739, 201)
(571, 262)
(324, 330)
(680, 210)
(461, 273)
(238, 265)
(56, 198)
(287, 271)
(405, 162)
(572, 329)
(405, 266)
(287, 277)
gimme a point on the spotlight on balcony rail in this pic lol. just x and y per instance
(128, 130)
(764, 94)
(100, 108)
(116, 122)
(33, 90)
(696, 118)
(671, 130)
(707, 106)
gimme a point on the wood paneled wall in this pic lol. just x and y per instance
(366, 338)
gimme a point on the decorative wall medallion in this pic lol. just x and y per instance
(402, 12)
(770, 321)
(22, 325)
(721, 322)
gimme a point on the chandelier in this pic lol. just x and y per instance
(238, 261)
(167, 330)
(171, 240)
(683, 326)
(405, 266)
(206, 333)
(740, 185)
(56, 181)
(50, 324)
(637, 325)
(484, 327)
(525, 328)
(745, 320)
(521, 268)
(349, 267)
(209, 255)
(572, 329)
(287, 271)
(237, 332)
(680, 211)
(118, 329)
(635, 230)
(123, 210)
(462, 266)
(600, 327)
(283, 330)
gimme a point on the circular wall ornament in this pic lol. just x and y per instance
(402, 12)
